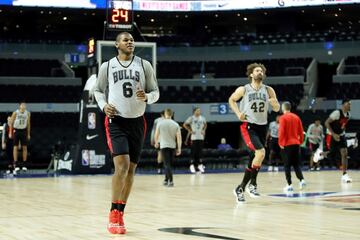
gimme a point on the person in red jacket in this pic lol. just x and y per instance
(291, 136)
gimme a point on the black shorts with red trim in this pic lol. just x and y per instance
(254, 135)
(125, 136)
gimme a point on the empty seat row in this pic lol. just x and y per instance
(31, 68)
(230, 69)
(40, 94)
(184, 94)
(344, 90)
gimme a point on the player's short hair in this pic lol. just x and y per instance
(250, 68)
(120, 34)
(345, 100)
(22, 102)
(168, 112)
(287, 105)
(195, 108)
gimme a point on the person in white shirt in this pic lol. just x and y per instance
(315, 135)
(20, 132)
(273, 144)
(196, 125)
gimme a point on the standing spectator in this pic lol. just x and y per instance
(20, 131)
(196, 126)
(315, 134)
(291, 135)
(7, 144)
(160, 162)
(273, 140)
(168, 138)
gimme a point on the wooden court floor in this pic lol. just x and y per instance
(198, 207)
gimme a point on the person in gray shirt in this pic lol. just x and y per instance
(160, 163)
(168, 139)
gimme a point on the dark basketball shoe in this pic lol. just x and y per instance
(252, 191)
(239, 194)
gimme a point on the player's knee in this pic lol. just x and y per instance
(121, 168)
(260, 153)
(121, 172)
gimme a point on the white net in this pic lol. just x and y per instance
(106, 50)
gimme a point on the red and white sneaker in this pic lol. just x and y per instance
(116, 222)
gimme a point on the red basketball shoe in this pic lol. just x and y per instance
(116, 222)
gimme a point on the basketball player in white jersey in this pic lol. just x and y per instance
(315, 135)
(125, 84)
(20, 132)
(196, 125)
(272, 139)
(253, 113)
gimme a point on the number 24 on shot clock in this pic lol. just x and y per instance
(119, 15)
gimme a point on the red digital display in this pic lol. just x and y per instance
(119, 15)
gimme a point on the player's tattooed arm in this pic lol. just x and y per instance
(235, 97)
(273, 100)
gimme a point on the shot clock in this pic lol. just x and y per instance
(119, 14)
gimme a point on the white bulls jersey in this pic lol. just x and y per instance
(274, 129)
(21, 119)
(121, 80)
(255, 104)
(197, 126)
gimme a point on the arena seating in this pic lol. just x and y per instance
(238, 39)
(185, 94)
(31, 68)
(230, 69)
(40, 94)
(342, 90)
(352, 65)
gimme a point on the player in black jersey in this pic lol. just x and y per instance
(336, 124)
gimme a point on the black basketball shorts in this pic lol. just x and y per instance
(335, 146)
(20, 136)
(125, 136)
(253, 135)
